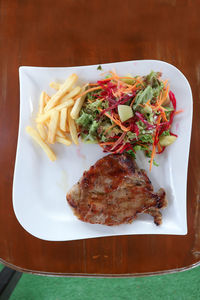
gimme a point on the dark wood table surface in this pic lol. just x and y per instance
(83, 32)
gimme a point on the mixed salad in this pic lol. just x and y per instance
(129, 114)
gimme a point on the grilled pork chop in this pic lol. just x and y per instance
(114, 191)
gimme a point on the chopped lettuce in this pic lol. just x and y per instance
(146, 138)
(131, 135)
(165, 133)
(169, 109)
(143, 96)
(154, 163)
(94, 106)
(93, 128)
(131, 153)
(99, 68)
(84, 120)
(152, 79)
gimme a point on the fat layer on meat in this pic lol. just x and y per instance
(114, 191)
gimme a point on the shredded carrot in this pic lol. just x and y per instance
(159, 147)
(165, 82)
(148, 102)
(163, 98)
(132, 101)
(114, 74)
(158, 120)
(138, 143)
(107, 143)
(139, 79)
(88, 91)
(163, 115)
(117, 94)
(118, 79)
(117, 122)
(178, 112)
(92, 84)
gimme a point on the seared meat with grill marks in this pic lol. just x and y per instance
(114, 191)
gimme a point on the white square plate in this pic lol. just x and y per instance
(40, 186)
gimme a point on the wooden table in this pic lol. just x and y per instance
(82, 32)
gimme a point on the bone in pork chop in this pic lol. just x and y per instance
(114, 191)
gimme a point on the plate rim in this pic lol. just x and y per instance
(21, 70)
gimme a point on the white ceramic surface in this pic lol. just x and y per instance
(40, 186)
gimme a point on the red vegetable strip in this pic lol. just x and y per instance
(152, 156)
(173, 134)
(173, 99)
(141, 118)
(121, 149)
(155, 142)
(120, 139)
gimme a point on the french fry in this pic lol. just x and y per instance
(53, 124)
(68, 103)
(56, 117)
(42, 118)
(35, 135)
(42, 102)
(74, 92)
(63, 119)
(72, 128)
(42, 131)
(60, 133)
(77, 106)
(64, 141)
(55, 85)
(46, 98)
(66, 87)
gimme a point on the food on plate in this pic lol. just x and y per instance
(42, 131)
(72, 129)
(65, 87)
(127, 114)
(35, 135)
(55, 85)
(54, 122)
(114, 191)
(120, 113)
(167, 140)
(78, 104)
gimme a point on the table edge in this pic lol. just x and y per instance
(90, 275)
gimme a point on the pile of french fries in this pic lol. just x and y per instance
(56, 117)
